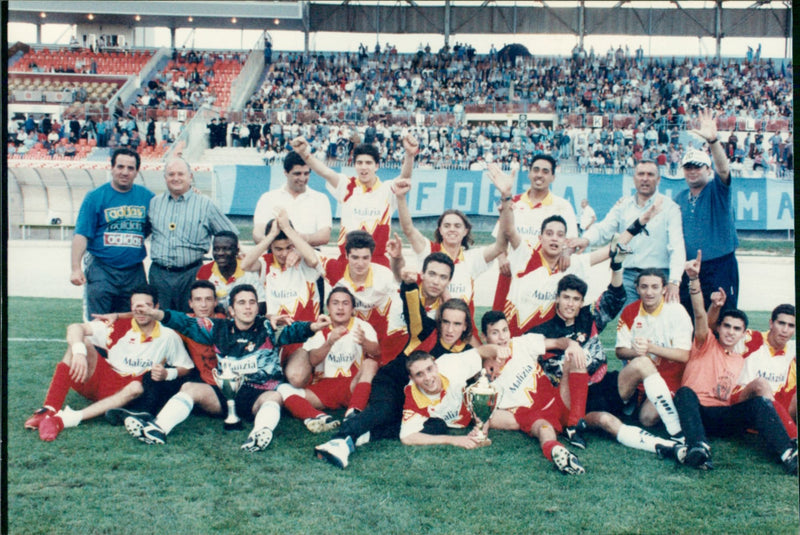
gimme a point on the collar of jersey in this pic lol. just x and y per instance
(547, 201)
(422, 400)
(367, 283)
(656, 312)
(154, 334)
(238, 274)
(330, 328)
(367, 189)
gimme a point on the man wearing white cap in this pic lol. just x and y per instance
(707, 214)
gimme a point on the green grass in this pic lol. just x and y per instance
(96, 479)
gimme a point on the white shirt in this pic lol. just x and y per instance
(309, 211)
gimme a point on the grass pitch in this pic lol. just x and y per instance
(97, 479)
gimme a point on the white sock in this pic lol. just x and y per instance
(658, 393)
(71, 418)
(639, 439)
(176, 410)
(268, 415)
(286, 391)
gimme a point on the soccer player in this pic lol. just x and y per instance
(651, 327)
(134, 346)
(183, 224)
(109, 239)
(225, 272)
(660, 245)
(345, 359)
(704, 401)
(249, 345)
(453, 237)
(310, 210)
(527, 401)
(707, 215)
(447, 334)
(608, 391)
(530, 210)
(372, 284)
(434, 399)
(366, 203)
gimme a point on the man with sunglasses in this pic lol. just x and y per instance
(707, 214)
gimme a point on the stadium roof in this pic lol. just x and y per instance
(728, 18)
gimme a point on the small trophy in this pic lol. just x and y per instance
(481, 400)
(229, 382)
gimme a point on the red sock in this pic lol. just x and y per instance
(786, 420)
(578, 390)
(501, 292)
(360, 396)
(300, 407)
(59, 387)
(547, 449)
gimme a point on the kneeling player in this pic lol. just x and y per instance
(134, 346)
(434, 399)
(528, 402)
(247, 344)
(345, 356)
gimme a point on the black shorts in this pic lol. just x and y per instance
(604, 396)
(245, 398)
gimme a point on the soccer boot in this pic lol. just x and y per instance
(789, 461)
(574, 434)
(50, 427)
(117, 416)
(321, 423)
(566, 462)
(258, 440)
(336, 451)
(34, 421)
(699, 456)
(676, 451)
(146, 430)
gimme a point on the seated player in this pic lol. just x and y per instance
(434, 399)
(608, 391)
(447, 334)
(372, 284)
(770, 365)
(345, 359)
(705, 400)
(225, 272)
(291, 288)
(250, 346)
(651, 327)
(527, 401)
(365, 202)
(453, 237)
(133, 346)
(202, 302)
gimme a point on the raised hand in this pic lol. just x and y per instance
(411, 145)
(707, 125)
(395, 247)
(301, 147)
(502, 181)
(692, 267)
(718, 298)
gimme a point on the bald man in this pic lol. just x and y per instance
(183, 223)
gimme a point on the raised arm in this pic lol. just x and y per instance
(414, 236)
(395, 249)
(301, 245)
(696, 295)
(250, 261)
(635, 228)
(301, 147)
(411, 147)
(718, 299)
(707, 129)
(504, 184)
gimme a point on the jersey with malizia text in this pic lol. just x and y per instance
(532, 295)
(363, 208)
(522, 381)
(447, 405)
(291, 290)
(345, 356)
(131, 352)
(777, 366)
(224, 285)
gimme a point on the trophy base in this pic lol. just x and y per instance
(233, 426)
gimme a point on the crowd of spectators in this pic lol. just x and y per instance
(643, 104)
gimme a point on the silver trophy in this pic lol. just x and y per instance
(481, 399)
(229, 382)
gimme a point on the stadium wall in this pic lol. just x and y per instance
(759, 203)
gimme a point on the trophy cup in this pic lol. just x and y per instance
(481, 400)
(229, 382)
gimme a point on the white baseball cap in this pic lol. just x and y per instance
(697, 157)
